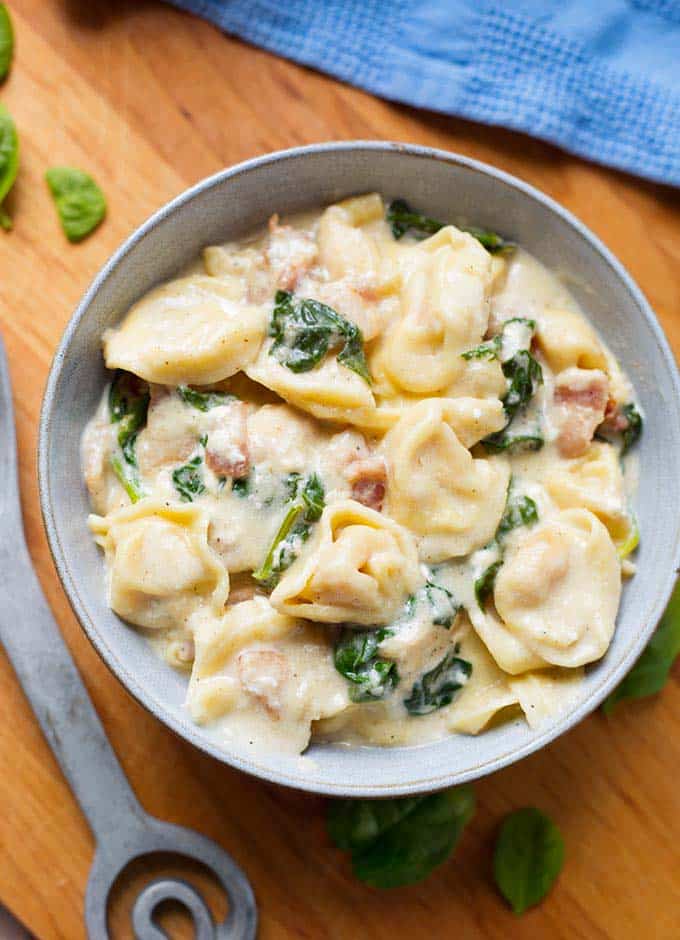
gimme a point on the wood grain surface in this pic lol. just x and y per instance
(150, 100)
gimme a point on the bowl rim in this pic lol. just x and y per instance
(304, 781)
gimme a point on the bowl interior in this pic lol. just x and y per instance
(232, 204)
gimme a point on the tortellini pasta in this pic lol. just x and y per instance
(191, 330)
(557, 595)
(362, 483)
(361, 569)
(437, 489)
(160, 565)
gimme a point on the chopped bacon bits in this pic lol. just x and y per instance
(368, 478)
(227, 452)
(235, 465)
(290, 253)
(580, 398)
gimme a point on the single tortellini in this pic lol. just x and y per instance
(556, 594)
(190, 330)
(246, 672)
(451, 500)
(594, 482)
(159, 563)
(345, 251)
(360, 568)
(567, 339)
(445, 312)
(330, 391)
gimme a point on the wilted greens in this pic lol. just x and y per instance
(356, 658)
(306, 500)
(203, 401)
(403, 219)
(128, 407)
(519, 511)
(188, 479)
(528, 857)
(399, 842)
(79, 200)
(304, 330)
(437, 688)
(6, 41)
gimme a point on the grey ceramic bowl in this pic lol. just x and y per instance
(447, 186)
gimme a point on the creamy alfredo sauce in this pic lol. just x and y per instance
(363, 487)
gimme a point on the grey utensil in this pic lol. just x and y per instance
(52, 684)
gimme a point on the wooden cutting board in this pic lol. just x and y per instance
(151, 100)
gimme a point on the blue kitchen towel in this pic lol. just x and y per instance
(601, 78)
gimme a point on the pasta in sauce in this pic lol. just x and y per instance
(361, 477)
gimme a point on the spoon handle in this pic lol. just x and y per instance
(44, 665)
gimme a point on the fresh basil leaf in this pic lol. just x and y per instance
(304, 329)
(402, 219)
(519, 511)
(634, 429)
(80, 203)
(188, 479)
(648, 676)
(356, 658)
(6, 41)
(528, 857)
(9, 161)
(305, 505)
(203, 401)
(399, 842)
(437, 688)
(485, 582)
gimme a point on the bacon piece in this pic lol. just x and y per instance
(263, 674)
(226, 452)
(368, 478)
(581, 399)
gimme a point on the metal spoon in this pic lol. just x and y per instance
(73, 730)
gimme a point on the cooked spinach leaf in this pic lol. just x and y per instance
(203, 401)
(634, 429)
(444, 606)
(519, 510)
(528, 857)
(6, 41)
(504, 441)
(188, 479)
(485, 582)
(306, 500)
(242, 486)
(486, 350)
(356, 658)
(524, 375)
(649, 674)
(9, 161)
(304, 329)
(128, 406)
(402, 219)
(80, 203)
(400, 841)
(437, 688)
(496, 347)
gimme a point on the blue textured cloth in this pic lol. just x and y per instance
(601, 78)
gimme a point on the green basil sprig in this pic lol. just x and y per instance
(399, 842)
(80, 203)
(305, 329)
(528, 857)
(6, 41)
(648, 676)
(403, 219)
(9, 161)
